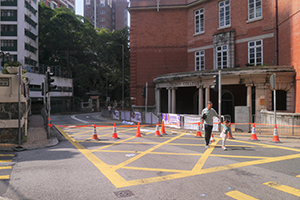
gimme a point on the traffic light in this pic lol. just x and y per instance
(49, 80)
(144, 92)
(216, 83)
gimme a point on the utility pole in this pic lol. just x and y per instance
(146, 99)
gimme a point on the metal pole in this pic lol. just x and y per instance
(44, 91)
(19, 105)
(274, 92)
(146, 99)
(276, 32)
(122, 77)
(48, 109)
(220, 92)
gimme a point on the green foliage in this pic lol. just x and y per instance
(71, 42)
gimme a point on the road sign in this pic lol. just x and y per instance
(273, 81)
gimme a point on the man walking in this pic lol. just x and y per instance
(207, 117)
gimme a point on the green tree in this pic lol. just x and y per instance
(71, 43)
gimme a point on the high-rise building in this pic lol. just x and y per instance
(60, 3)
(19, 32)
(110, 14)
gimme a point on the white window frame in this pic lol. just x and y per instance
(224, 7)
(255, 45)
(102, 19)
(199, 60)
(7, 43)
(222, 50)
(199, 24)
(256, 10)
(102, 12)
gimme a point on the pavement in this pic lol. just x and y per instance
(36, 136)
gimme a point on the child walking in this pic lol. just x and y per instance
(224, 133)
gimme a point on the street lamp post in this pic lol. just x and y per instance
(109, 43)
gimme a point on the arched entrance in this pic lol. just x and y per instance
(227, 104)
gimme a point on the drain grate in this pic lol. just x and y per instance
(124, 193)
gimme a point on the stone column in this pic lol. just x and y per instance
(169, 100)
(174, 100)
(207, 94)
(200, 100)
(157, 99)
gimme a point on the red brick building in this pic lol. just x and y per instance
(110, 14)
(177, 46)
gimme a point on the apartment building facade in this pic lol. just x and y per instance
(110, 14)
(60, 3)
(179, 46)
(19, 32)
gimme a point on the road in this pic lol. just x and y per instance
(174, 166)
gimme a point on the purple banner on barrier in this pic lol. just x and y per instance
(136, 117)
(171, 120)
(116, 114)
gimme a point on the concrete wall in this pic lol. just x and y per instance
(9, 111)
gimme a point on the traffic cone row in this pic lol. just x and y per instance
(198, 134)
(157, 130)
(253, 134)
(275, 135)
(115, 135)
(95, 137)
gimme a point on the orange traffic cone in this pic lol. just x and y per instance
(253, 134)
(275, 135)
(198, 134)
(212, 139)
(138, 131)
(157, 130)
(115, 135)
(95, 137)
(163, 131)
(230, 134)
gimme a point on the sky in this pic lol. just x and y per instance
(79, 7)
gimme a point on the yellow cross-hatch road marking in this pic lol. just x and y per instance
(145, 152)
(3, 177)
(283, 188)
(6, 167)
(5, 160)
(239, 196)
(110, 171)
(12, 155)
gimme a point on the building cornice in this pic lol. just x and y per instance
(226, 72)
(195, 3)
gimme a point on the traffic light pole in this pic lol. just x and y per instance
(44, 92)
(48, 109)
